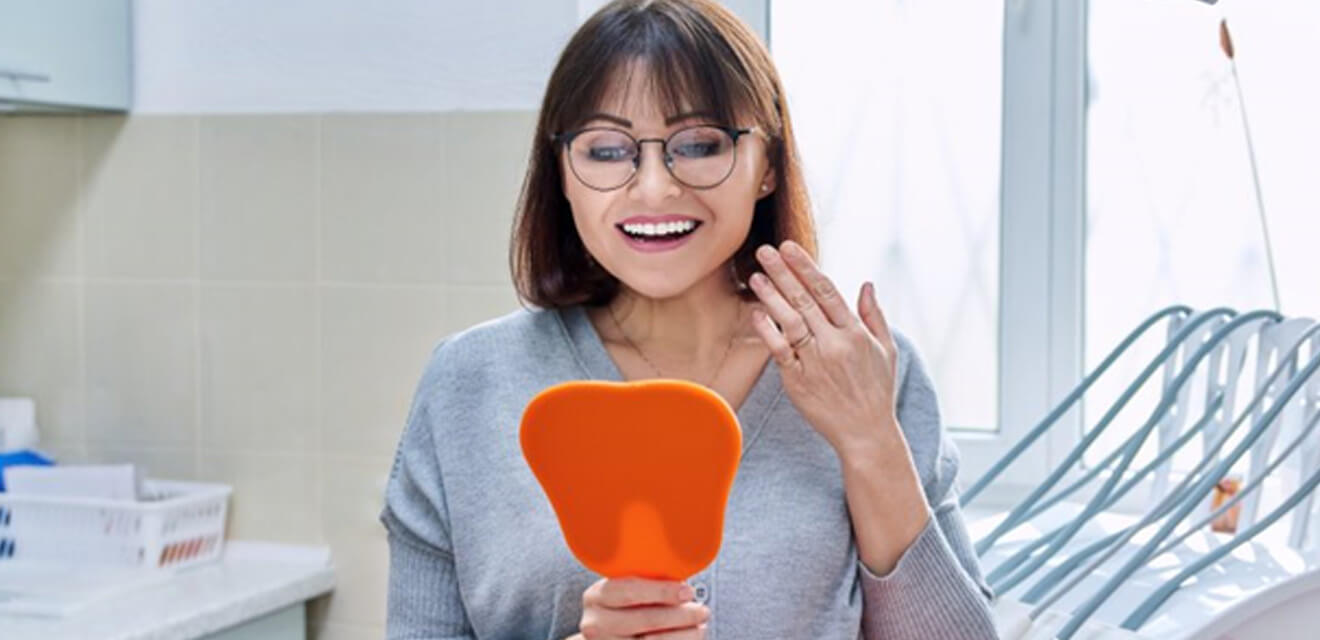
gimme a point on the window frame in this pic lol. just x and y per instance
(1042, 241)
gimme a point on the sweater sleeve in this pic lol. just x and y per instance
(423, 599)
(936, 590)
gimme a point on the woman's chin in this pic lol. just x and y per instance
(662, 283)
(657, 291)
(658, 286)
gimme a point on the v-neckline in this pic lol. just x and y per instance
(596, 362)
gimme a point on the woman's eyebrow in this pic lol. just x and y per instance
(628, 123)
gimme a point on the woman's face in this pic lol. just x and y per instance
(722, 214)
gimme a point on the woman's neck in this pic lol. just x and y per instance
(693, 327)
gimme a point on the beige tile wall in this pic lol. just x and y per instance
(250, 299)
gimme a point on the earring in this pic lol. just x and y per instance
(765, 187)
(733, 275)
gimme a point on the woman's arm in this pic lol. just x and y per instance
(935, 588)
(423, 599)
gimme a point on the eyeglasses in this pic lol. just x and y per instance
(605, 158)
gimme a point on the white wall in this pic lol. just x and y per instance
(258, 56)
(202, 56)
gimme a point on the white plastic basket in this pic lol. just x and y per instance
(176, 525)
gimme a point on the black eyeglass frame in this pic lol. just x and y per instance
(565, 139)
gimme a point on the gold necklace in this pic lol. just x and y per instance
(634, 346)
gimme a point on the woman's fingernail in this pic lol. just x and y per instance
(685, 593)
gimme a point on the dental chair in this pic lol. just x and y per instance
(1223, 547)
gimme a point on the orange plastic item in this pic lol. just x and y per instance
(638, 472)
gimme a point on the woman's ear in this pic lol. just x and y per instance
(767, 186)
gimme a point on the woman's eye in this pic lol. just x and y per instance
(608, 154)
(698, 149)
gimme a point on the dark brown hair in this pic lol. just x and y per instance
(695, 50)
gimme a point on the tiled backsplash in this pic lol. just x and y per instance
(251, 299)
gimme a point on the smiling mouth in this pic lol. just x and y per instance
(659, 232)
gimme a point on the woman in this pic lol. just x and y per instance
(664, 231)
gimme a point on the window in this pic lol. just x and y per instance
(1032, 179)
(1171, 210)
(943, 150)
(896, 107)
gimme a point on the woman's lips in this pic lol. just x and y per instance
(657, 245)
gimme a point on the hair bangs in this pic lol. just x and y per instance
(685, 67)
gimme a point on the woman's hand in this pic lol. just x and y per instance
(641, 608)
(837, 368)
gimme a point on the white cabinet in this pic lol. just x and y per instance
(59, 55)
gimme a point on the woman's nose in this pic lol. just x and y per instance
(653, 180)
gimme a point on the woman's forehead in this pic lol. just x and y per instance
(651, 96)
(635, 91)
(647, 107)
(639, 102)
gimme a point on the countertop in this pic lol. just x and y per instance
(250, 580)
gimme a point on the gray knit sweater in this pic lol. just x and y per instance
(476, 550)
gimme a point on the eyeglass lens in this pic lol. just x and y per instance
(700, 157)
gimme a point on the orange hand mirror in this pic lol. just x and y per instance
(638, 472)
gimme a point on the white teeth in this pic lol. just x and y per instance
(662, 229)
